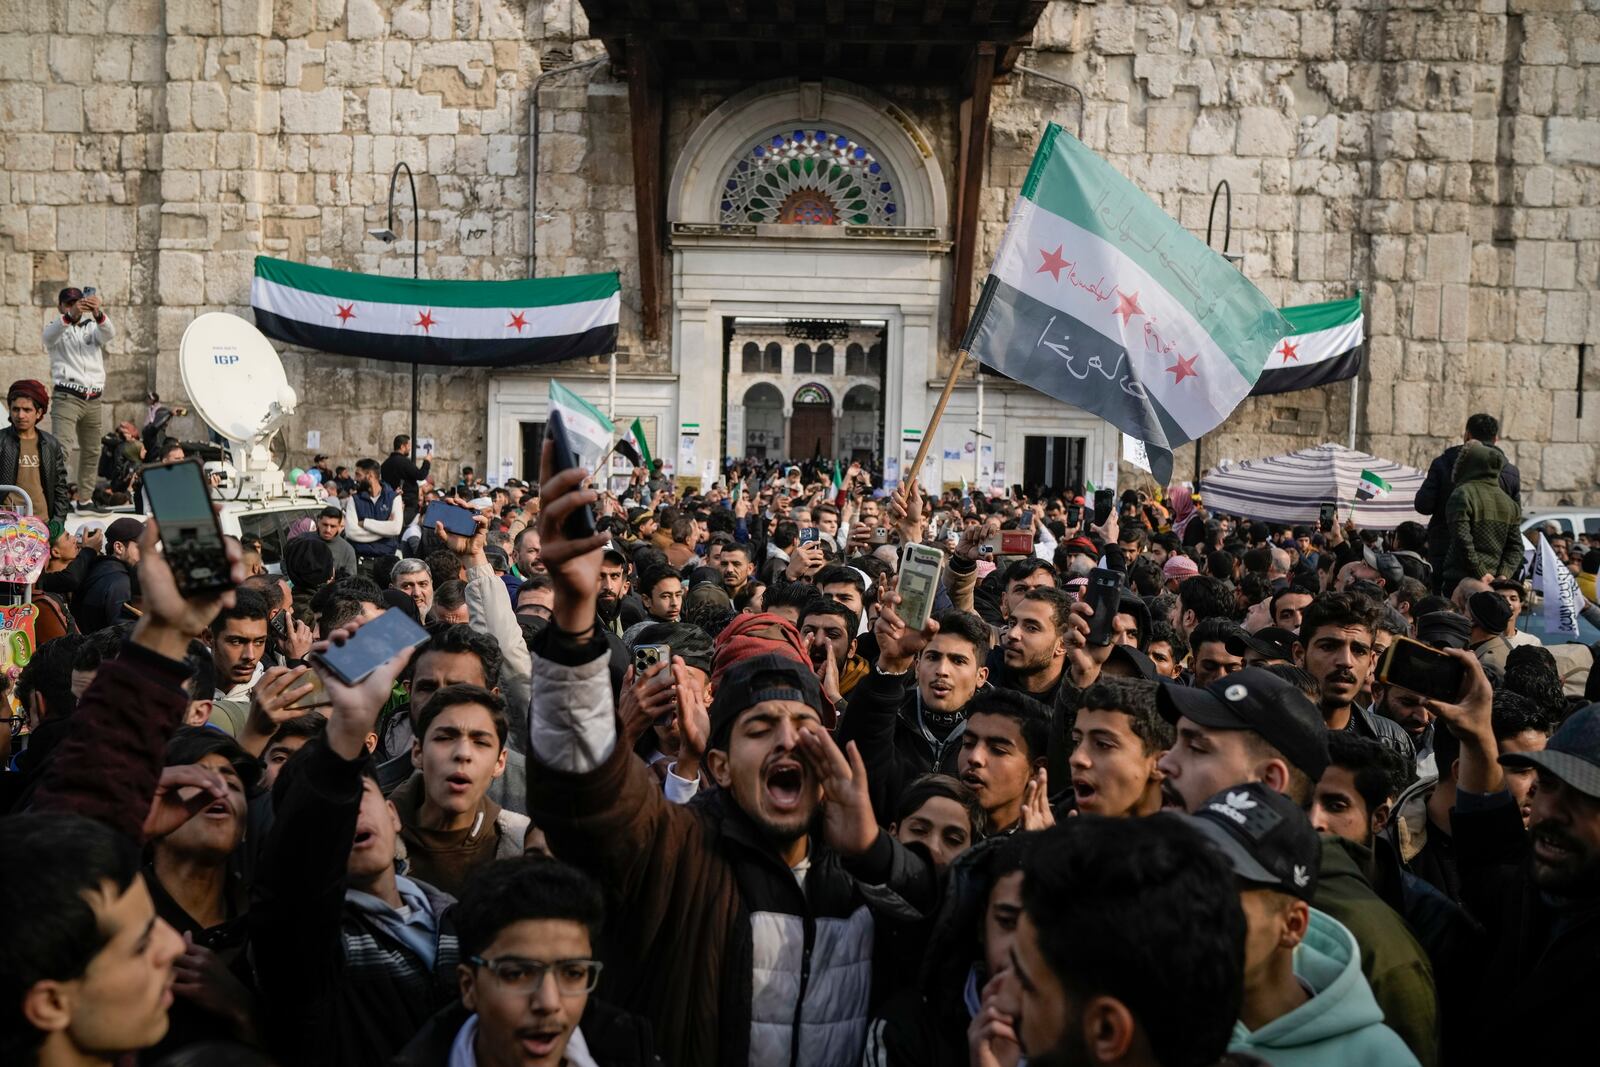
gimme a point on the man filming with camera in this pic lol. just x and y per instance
(75, 340)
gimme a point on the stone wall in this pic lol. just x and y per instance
(1444, 161)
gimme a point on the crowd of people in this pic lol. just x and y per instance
(671, 780)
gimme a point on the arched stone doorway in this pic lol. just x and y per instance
(811, 425)
(860, 424)
(763, 421)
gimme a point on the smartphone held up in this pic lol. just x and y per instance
(191, 536)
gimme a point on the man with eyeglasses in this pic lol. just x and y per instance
(527, 928)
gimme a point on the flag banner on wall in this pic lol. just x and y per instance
(1100, 299)
(450, 323)
(1324, 345)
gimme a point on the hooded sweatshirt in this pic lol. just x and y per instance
(1340, 1024)
(1482, 520)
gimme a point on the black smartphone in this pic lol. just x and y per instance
(191, 537)
(1423, 669)
(1074, 515)
(457, 520)
(1328, 517)
(1104, 595)
(278, 626)
(373, 645)
(1104, 500)
(579, 524)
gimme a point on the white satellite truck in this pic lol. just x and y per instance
(236, 384)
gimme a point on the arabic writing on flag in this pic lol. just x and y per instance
(1562, 598)
(1099, 299)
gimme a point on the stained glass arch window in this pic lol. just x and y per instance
(810, 176)
(813, 393)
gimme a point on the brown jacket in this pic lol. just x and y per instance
(703, 902)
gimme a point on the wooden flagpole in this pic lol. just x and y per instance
(938, 413)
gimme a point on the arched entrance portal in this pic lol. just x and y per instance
(811, 425)
(860, 424)
(763, 421)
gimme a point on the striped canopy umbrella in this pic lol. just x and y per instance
(1292, 488)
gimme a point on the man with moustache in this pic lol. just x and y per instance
(1336, 646)
(1537, 892)
(741, 914)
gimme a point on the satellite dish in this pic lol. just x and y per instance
(236, 383)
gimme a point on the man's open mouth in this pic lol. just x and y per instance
(976, 782)
(362, 839)
(540, 1041)
(1171, 798)
(458, 782)
(1083, 790)
(785, 782)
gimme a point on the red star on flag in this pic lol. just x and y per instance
(1127, 306)
(346, 312)
(426, 320)
(1184, 368)
(518, 320)
(1287, 351)
(1053, 262)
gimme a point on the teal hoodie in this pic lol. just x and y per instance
(1341, 1023)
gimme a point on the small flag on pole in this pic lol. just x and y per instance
(1562, 598)
(590, 432)
(1324, 346)
(1371, 486)
(634, 447)
(1099, 299)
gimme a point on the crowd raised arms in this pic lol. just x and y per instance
(797, 767)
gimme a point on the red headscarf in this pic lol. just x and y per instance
(33, 390)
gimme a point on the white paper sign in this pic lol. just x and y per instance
(313, 439)
(1134, 452)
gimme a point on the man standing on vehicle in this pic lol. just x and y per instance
(403, 475)
(75, 340)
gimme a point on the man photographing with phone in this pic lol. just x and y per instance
(75, 340)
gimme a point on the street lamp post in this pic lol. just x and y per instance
(388, 236)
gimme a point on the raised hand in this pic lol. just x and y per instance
(645, 698)
(848, 825)
(170, 619)
(353, 709)
(469, 550)
(183, 792)
(694, 722)
(1036, 813)
(898, 644)
(992, 1035)
(271, 704)
(574, 566)
(1083, 659)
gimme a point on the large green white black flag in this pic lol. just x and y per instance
(1101, 300)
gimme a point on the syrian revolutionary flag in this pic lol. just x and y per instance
(633, 445)
(1101, 300)
(1324, 346)
(1371, 486)
(453, 323)
(590, 432)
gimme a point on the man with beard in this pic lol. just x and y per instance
(1537, 893)
(1033, 644)
(373, 514)
(708, 893)
(1410, 710)
(1336, 647)
(1129, 949)
(828, 629)
(613, 587)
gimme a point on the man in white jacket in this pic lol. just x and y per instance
(75, 340)
(372, 514)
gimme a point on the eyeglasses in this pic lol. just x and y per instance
(573, 977)
(17, 722)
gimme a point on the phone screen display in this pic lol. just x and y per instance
(1327, 517)
(919, 581)
(1423, 670)
(457, 520)
(1104, 595)
(372, 646)
(191, 539)
(1103, 499)
(579, 524)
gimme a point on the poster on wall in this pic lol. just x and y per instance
(688, 455)
(891, 472)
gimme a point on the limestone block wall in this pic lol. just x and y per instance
(1445, 161)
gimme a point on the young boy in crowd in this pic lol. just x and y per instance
(1117, 739)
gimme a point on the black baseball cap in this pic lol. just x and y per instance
(1265, 837)
(1258, 700)
(1444, 629)
(1273, 642)
(779, 678)
(1572, 754)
